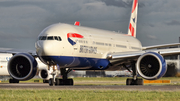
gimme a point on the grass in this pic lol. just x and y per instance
(87, 95)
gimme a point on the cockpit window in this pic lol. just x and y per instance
(50, 38)
(40, 37)
(43, 38)
(58, 38)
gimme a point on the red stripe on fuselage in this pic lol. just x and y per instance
(134, 5)
(74, 35)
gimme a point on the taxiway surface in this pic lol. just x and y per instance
(77, 87)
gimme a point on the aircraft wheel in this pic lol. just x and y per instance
(66, 82)
(57, 82)
(51, 82)
(139, 82)
(45, 81)
(134, 82)
(128, 81)
(70, 81)
(13, 81)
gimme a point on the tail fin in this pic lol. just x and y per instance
(133, 19)
(77, 23)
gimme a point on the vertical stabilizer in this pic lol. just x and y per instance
(133, 19)
(77, 23)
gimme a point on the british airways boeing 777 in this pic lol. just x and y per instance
(63, 47)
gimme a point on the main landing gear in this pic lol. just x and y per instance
(64, 81)
(134, 80)
(13, 81)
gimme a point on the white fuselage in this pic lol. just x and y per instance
(81, 42)
(78, 44)
(4, 58)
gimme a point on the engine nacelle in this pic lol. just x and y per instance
(22, 66)
(151, 66)
(45, 74)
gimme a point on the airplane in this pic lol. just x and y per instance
(64, 47)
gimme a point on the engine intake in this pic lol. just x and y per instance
(44, 74)
(22, 66)
(151, 66)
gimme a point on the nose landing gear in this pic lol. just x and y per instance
(64, 81)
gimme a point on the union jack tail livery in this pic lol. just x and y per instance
(133, 19)
(77, 23)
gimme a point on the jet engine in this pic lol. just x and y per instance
(45, 74)
(22, 66)
(151, 66)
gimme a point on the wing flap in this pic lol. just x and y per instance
(123, 55)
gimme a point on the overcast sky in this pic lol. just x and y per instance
(21, 21)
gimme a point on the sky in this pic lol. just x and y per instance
(21, 21)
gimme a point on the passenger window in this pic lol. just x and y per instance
(50, 38)
(43, 38)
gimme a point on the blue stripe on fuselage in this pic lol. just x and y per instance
(78, 62)
(71, 41)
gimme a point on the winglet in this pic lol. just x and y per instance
(77, 23)
(133, 19)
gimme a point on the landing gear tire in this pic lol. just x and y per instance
(51, 82)
(13, 81)
(57, 81)
(139, 81)
(128, 81)
(45, 81)
(66, 82)
(134, 82)
(71, 82)
(61, 82)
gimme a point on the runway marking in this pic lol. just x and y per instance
(36, 80)
(157, 81)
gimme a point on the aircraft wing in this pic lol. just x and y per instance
(125, 55)
(15, 51)
(133, 55)
(160, 46)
